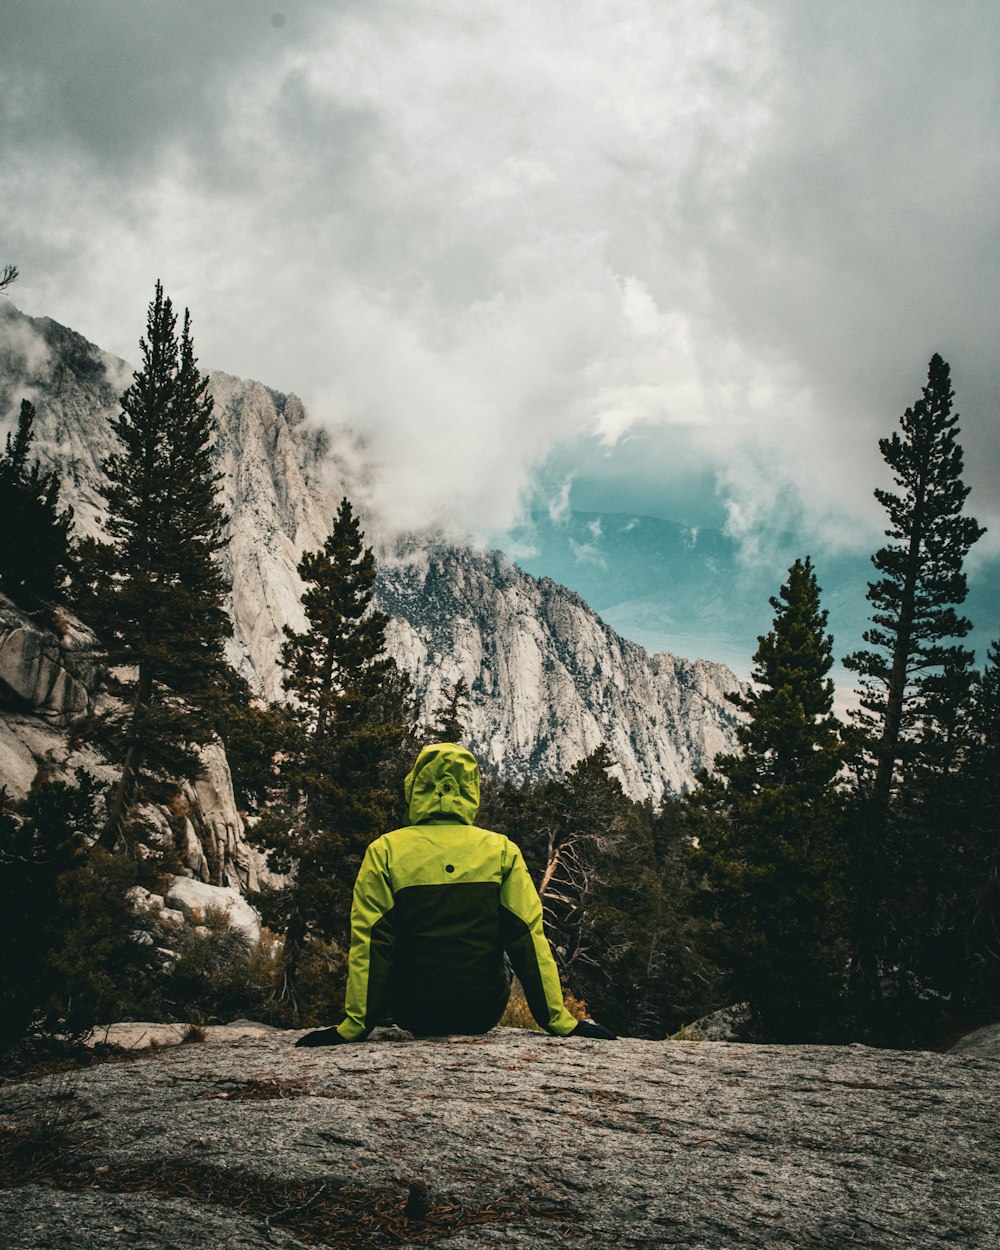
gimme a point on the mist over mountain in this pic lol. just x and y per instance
(549, 679)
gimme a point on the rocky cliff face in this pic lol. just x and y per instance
(53, 690)
(549, 679)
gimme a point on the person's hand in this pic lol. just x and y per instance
(322, 1037)
(587, 1028)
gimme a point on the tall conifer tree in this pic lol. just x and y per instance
(910, 677)
(922, 579)
(344, 774)
(767, 824)
(160, 592)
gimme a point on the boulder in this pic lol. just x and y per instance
(151, 906)
(18, 766)
(51, 674)
(729, 1024)
(138, 1035)
(984, 1042)
(195, 898)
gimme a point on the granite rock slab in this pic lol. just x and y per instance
(540, 1140)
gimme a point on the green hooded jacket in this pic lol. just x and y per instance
(437, 904)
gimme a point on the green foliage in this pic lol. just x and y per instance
(38, 845)
(914, 682)
(254, 735)
(336, 665)
(767, 827)
(70, 959)
(922, 579)
(344, 765)
(684, 980)
(34, 555)
(78, 954)
(979, 889)
(590, 852)
(163, 608)
(217, 977)
(449, 721)
(320, 980)
(791, 740)
(106, 970)
(156, 592)
(947, 924)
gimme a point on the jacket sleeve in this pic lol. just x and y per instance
(528, 948)
(373, 940)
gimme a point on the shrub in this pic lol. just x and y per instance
(518, 1014)
(217, 976)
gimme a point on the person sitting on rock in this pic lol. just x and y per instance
(443, 912)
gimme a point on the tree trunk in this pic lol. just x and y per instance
(128, 783)
(294, 947)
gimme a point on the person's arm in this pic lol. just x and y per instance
(528, 948)
(373, 939)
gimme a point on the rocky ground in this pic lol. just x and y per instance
(239, 1140)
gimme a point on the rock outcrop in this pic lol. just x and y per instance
(53, 684)
(51, 674)
(50, 681)
(548, 678)
(195, 898)
(983, 1043)
(514, 1140)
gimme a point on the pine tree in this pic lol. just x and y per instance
(921, 582)
(449, 722)
(344, 774)
(767, 824)
(159, 589)
(973, 856)
(34, 557)
(908, 673)
(334, 665)
(194, 534)
(66, 923)
(935, 876)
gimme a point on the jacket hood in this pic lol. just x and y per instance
(443, 785)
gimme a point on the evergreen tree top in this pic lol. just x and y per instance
(791, 734)
(339, 659)
(34, 534)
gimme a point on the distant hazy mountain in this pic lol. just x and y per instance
(549, 678)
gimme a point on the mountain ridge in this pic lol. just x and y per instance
(549, 679)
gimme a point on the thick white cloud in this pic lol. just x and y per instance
(672, 242)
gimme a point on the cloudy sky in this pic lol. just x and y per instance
(680, 257)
